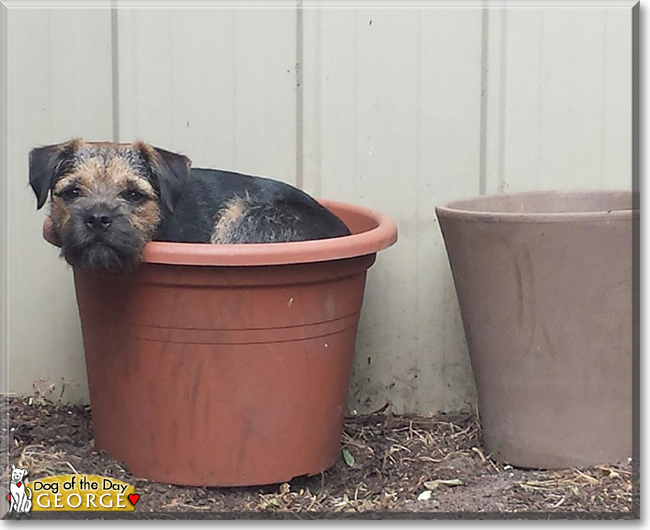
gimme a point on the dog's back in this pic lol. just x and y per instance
(225, 207)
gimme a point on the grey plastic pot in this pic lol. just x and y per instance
(544, 283)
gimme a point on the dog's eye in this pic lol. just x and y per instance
(134, 195)
(71, 193)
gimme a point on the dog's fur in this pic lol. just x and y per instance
(108, 200)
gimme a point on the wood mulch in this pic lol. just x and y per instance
(397, 466)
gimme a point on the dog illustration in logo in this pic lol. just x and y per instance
(20, 497)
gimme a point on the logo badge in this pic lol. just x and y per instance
(81, 493)
(19, 497)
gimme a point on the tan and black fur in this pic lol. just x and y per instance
(108, 200)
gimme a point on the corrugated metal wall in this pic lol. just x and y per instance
(395, 109)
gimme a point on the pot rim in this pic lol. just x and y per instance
(371, 241)
(457, 209)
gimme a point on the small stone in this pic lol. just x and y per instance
(424, 496)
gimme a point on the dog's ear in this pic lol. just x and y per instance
(46, 164)
(171, 171)
(13, 466)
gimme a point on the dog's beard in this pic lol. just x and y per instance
(117, 249)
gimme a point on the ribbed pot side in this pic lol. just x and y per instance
(221, 376)
(546, 303)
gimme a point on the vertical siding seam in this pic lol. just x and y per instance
(300, 42)
(540, 103)
(77, 59)
(502, 97)
(354, 107)
(485, 31)
(234, 87)
(635, 104)
(50, 77)
(317, 94)
(636, 247)
(115, 73)
(171, 115)
(603, 126)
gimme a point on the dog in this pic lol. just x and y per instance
(109, 199)
(21, 497)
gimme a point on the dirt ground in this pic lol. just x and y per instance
(401, 467)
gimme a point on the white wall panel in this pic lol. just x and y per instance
(59, 87)
(396, 109)
(216, 84)
(560, 103)
(392, 123)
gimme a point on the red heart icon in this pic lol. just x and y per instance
(19, 484)
(9, 498)
(133, 497)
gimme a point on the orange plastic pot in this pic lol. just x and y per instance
(228, 365)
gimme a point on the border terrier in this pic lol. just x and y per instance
(109, 199)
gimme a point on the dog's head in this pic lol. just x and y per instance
(18, 474)
(107, 199)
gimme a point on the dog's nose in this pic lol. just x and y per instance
(98, 221)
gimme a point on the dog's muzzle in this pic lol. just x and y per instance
(101, 236)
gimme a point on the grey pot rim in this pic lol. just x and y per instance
(458, 209)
